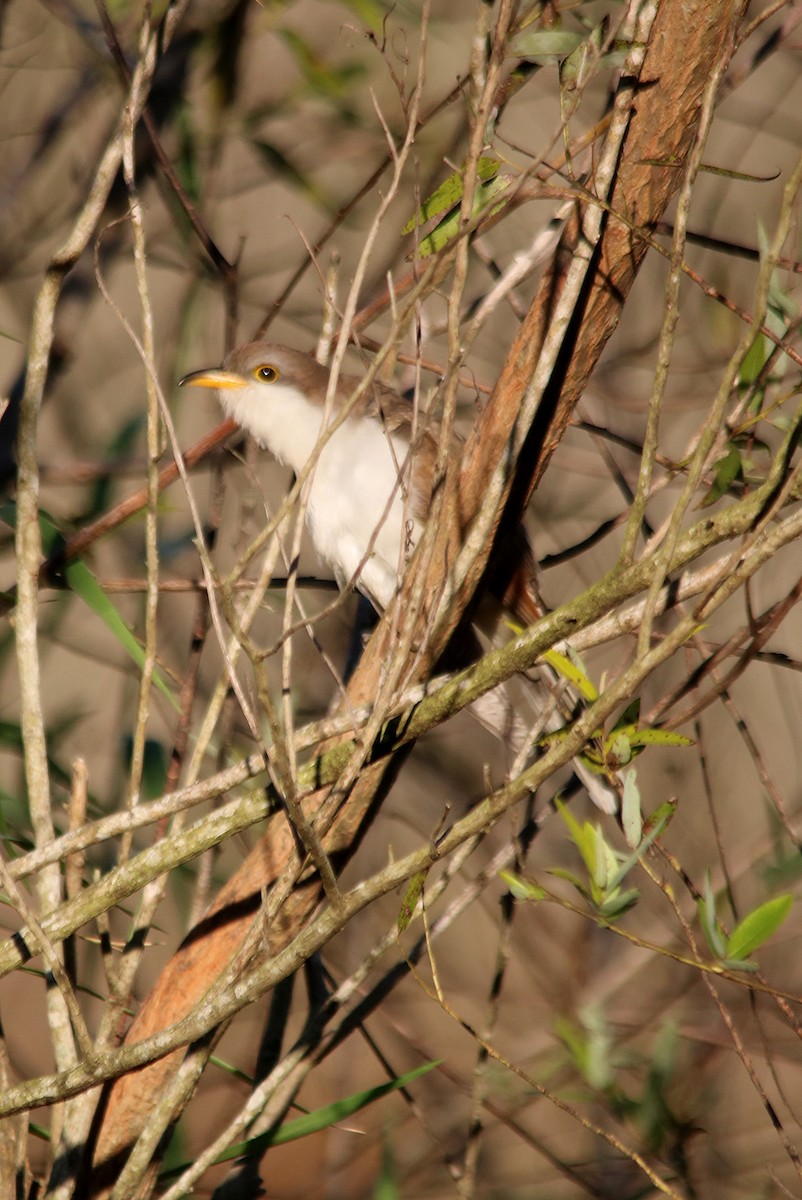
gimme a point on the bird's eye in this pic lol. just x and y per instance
(265, 373)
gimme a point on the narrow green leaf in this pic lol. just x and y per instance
(330, 82)
(660, 818)
(592, 759)
(781, 305)
(599, 1072)
(617, 903)
(757, 927)
(570, 877)
(657, 823)
(235, 1072)
(448, 228)
(706, 907)
(752, 364)
(449, 194)
(631, 815)
(569, 670)
(555, 737)
(729, 468)
(11, 738)
(738, 964)
(322, 1118)
(731, 173)
(660, 737)
(186, 160)
(522, 889)
(605, 860)
(410, 902)
(119, 446)
(154, 766)
(583, 837)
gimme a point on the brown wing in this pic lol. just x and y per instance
(396, 414)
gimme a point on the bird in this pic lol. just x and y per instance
(369, 495)
(371, 483)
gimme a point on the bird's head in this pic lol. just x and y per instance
(275, 393)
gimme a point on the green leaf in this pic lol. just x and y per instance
(589, 1046)
(738, 964)
(626, 741)
(222, 1064)
(660, 737)
(570, 877)
(752, 364)
(591, 758)
(731, 173)
(728, 470)
(606, 861)
(522, 889)
(574, 1042)
(617, 903)
(324, 1117)
(757, 927)
(572, 671)
(154, 766)
(410, 902)
(631, 814)
(654, 1114)
(660, 818)
(119, 446)
(583, 837)
(449, 194)
(186, 159)
(656, 827)
(706, 908)
(448, 228)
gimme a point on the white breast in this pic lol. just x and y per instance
(358, 512)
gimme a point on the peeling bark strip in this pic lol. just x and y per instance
(686, 40)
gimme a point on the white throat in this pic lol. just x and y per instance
(279, 416)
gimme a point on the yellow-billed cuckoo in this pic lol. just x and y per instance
(370, 489)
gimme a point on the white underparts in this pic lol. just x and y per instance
(358, 509)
